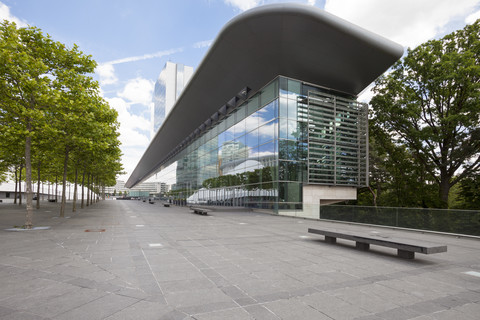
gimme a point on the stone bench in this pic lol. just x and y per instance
(405, 248)
(199, 211)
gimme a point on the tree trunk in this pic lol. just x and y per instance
(20, 184)
(88, 189)
(28, 178)
(16, 184)
(56, 188)
(444, 190)
(83, 190)
(64, 184)
(374, 196)
(74, 205)
(38, 185)
(97, 197)
(92, 193)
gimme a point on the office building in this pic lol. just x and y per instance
(270, 118)
(172, 80)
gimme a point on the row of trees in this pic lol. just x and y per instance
(425, 126)
(53, 121)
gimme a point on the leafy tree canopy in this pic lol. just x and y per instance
(430, 103)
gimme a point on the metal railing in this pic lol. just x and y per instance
(440, 220)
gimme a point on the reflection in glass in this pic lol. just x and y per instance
(261, 153)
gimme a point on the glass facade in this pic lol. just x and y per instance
(260, 154)
(172, 80)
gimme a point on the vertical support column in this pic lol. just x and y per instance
(362, 246)
(406, 254)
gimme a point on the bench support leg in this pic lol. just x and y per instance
(362, 246)
(330, 239)
(406, 254)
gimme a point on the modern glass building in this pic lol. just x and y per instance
(270, 119)
(168, 87)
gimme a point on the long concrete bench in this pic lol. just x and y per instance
(201, 211)
(405, 248)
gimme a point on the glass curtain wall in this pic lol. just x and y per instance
(257, 156)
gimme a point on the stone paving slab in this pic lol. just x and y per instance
(143, 261)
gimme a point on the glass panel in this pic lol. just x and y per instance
(283, 110)
(294, 88)
(294, 192)
(283, 87)
(221, 139)
(253, 104)
(230, 121)
(293, 131)
(268, 113)
(283, 149)
(287, 149)
(268, 93)
(240, 113)
(267, 132)
(292, 109)
(229, 134)
(251, 122)
(252, 139)
(303, 131)
(306, 88)
(293, 170)
(283, 126)
(302, 149)
(282, 192)
(267, 151)
(239, 129)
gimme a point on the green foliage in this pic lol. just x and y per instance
(469, 193)
(251, 180)
(429, 106)
(52, 117)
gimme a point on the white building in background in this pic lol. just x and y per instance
(153, 187)
(170, 84)
(47, 191)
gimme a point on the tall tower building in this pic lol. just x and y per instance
(170, 84)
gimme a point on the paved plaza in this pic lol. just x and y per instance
(146, 261)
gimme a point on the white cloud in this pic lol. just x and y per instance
(311, 2)
(127, 120)
(139, 91)
(130, 158)
(146, 56)
(132, 138)
(133, 142)
(408, 22)
(202, 44)
(367, 94)
(243, 4)
(473, 17)
(6, 15)
(106, 72)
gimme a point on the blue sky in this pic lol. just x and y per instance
(132, 39)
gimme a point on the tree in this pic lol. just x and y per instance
(430, 103)
(50, 107)
(470, 193)
(396, 177)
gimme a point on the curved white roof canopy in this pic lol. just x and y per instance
(292, 40)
